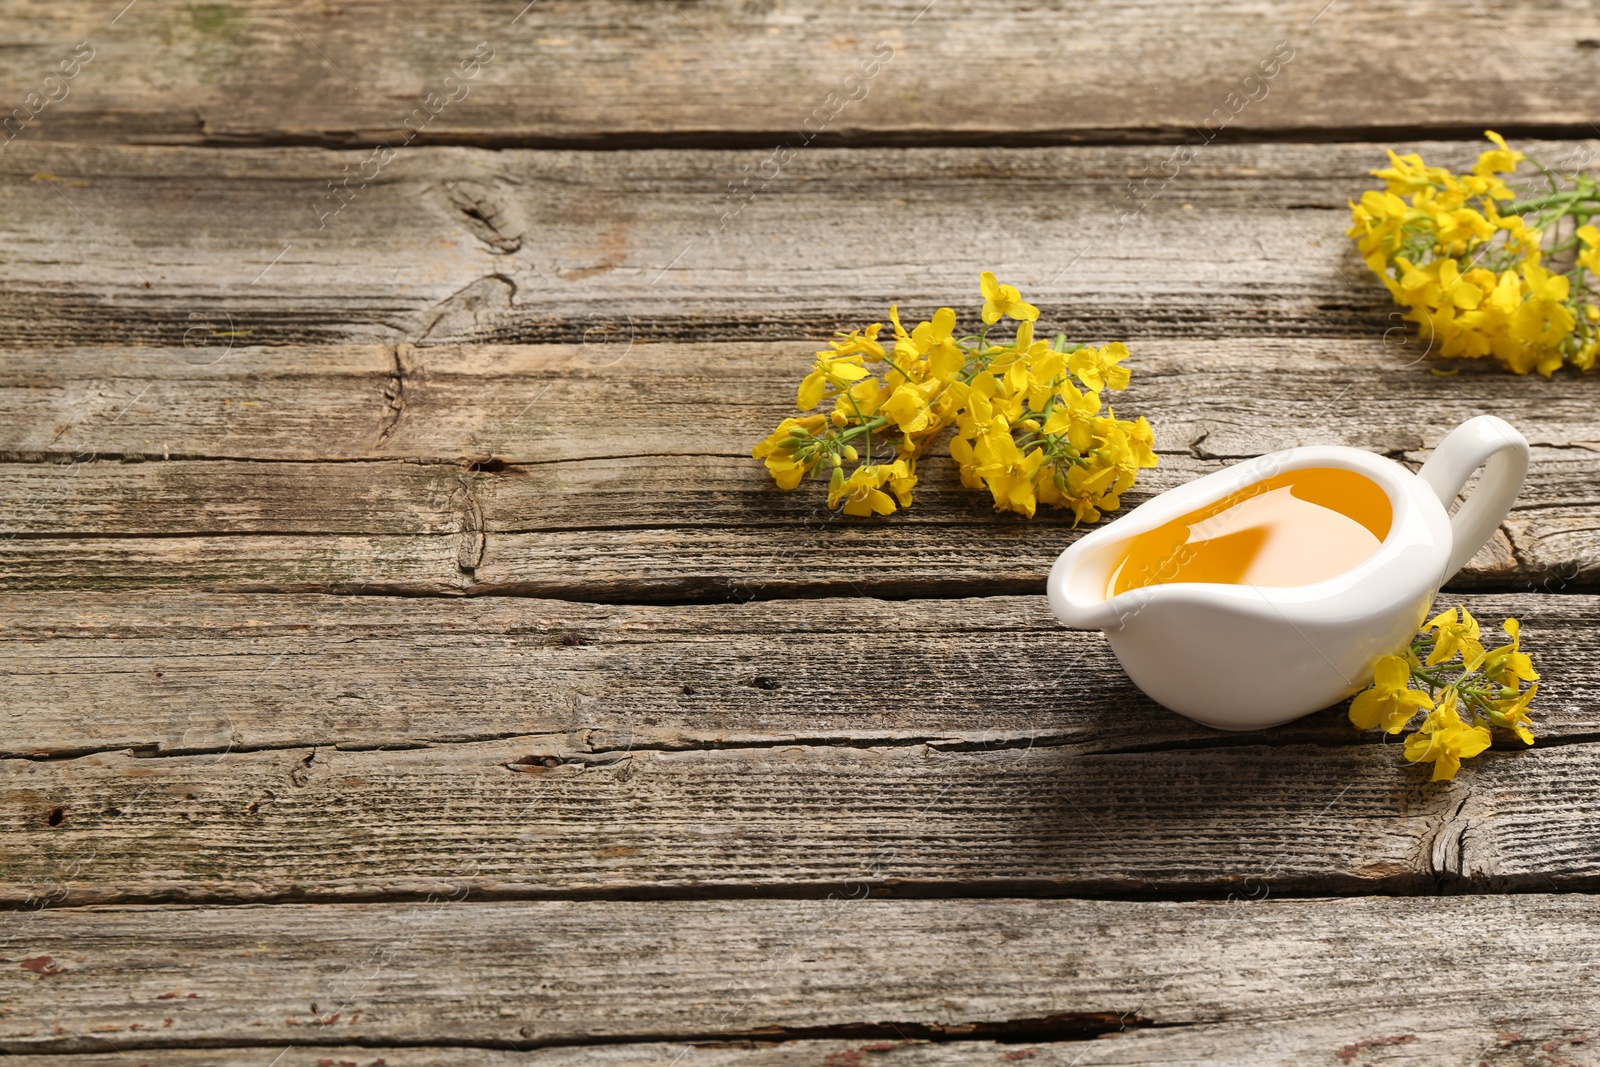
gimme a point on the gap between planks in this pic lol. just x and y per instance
(1470, 133)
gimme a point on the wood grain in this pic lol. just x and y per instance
(178, 672)
(512, 375)
(170, 246)
(1355, 1038)
(1307, 979)
(612, 73)
(445, 470)
(552, 816)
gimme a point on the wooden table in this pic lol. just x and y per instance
(404, 663)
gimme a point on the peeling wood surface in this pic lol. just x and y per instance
(610, 72)
(625, 247)
(555, 973)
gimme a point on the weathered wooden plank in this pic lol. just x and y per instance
(609, 73)
(86, 495)
(249, 403)
(118, 245)
(408, 566)
(553, 816)
(407, 527)
(615, 529)
(1218, 399)
(168, 673)
(1379, 980)
(1228, 398)
(110, 498)
(547, 476)
(1454, 1036)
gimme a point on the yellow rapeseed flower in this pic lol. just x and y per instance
(1468, 268)
(1589, 258)
(1003, 300)
(862, 343)
(787, 455)
(861, 492)
(1455, 632)
(902, 479)
(908, 406)
(1512, 712)
(1027, 415)
(1390, 701)
(830, 369)
(1483, 694)
(1006, 470)
(1509, 665)
(928, 350)
(1097, 367)
(1499, 160)
(1444, 740)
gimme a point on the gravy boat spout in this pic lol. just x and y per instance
(1243, 649)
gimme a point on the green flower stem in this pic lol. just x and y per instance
(877, 422)
(1555, 186)
(1540, 203)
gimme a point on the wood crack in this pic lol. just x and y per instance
(300, 774)
(575, 751)
(884, 1034)
(1221, 890)
(474, 538)
(718, 591)
(486, 218)
(907, 137)
(394, 395)
(1443, 847)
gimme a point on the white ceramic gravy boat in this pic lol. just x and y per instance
(1242, 657)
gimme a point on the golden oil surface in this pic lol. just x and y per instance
(1296, 528)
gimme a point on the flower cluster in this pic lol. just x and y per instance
(1485, 268)
(1030, 424)
(1486, 691)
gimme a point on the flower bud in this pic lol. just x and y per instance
(850, 453)
(1031, 425)
(837, 462)
(838, 418)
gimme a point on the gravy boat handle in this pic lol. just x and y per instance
(1480, 440)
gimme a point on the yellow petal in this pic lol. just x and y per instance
(811, 388)
(1471, 741)
(1392, 673)
(1366, 710)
